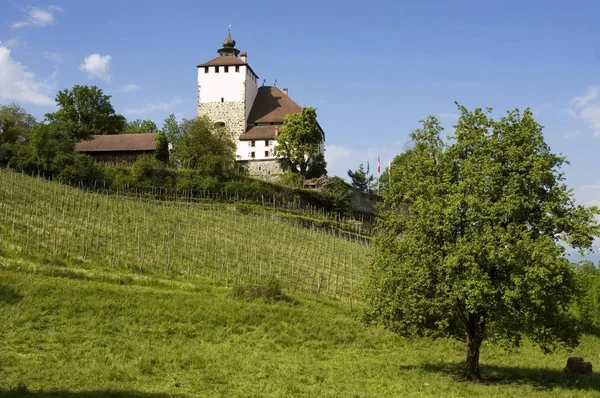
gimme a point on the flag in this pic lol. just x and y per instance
(378, 165)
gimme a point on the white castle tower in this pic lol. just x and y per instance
(227, 87)
(229, 95)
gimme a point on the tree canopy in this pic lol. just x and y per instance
(299, 142)
(84, 111)
(171, 128)
(15, 126)
(472, 245)
(362, 179)
(139, 126)
(203, 146)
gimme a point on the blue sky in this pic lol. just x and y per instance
(372, 69)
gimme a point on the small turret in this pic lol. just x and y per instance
(228, 48)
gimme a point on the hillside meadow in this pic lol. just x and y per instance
(129, 297)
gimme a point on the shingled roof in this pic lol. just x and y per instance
(224, 61)
(261, 133)
(117, 142)
(271, 106)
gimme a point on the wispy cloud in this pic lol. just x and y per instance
(160, 106)
(542, 109)
(97, 65)
(128, 88)
(37, 17)
(571, 135)
(52, 56)
(18, 84)
(10, 43)
(587, 108)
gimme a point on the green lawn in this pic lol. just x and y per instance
(124, 297)
(86, 334)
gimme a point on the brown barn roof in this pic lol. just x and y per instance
(117, 142)
(261, 133)
(271, 106)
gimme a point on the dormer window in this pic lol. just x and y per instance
(237, 68)
(216, 69)
(206, 69)
(226, 69)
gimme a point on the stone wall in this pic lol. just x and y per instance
(230, 113)
(269, 170)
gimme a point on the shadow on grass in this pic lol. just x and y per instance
(24, 392)
(506, 375)
(8, 295)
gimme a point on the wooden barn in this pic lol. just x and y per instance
(118, 148)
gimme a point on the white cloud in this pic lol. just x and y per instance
(571, 135)
(20, 85)
(587, 108)
(54, 57)
(97, 65)
(128, 88)
(10, 43)
(160, 106)
(37, 17)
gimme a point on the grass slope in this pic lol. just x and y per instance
(176, 239)
(96, 337)
(109, 296)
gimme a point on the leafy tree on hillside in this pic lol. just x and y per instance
(171, 128)
(202, 146)
(472, 244)
(15, 125)
(299, 143)
(139, 126)
(85, 110)
(362, 179)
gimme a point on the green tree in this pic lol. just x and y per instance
(204, 147)
(299, 143)
(362, 179)
(84, 111)
(171, 128)
(139, 126)
(472, 246)
(15, 126)
(48, 149)
(162, 148)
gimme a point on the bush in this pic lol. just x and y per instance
(83, 169)
(149, 172)
(269, 289)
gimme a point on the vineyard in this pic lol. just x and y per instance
(174, 238)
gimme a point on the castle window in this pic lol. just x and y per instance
(222, 99)
(206, 69)
(220, 124)
(237, 68)
(266, 154)
(216, 69)
(253, 154)
(226, 69)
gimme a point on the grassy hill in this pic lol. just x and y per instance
(80, 317)
(57, 223)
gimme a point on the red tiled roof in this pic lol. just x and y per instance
(117, 142)
(271, 106)
(261, 133)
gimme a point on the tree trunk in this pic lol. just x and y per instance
(473, 344)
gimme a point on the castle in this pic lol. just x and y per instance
(228, 93)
